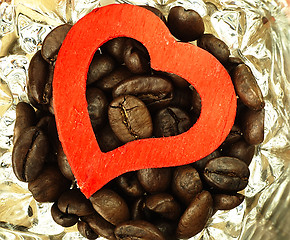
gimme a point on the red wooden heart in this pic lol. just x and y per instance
(93, 168)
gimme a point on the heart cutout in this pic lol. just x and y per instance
(93, 168)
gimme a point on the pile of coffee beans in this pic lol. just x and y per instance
(129, 100)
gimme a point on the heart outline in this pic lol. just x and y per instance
(70, 106)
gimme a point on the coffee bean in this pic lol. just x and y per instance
(100, 226)
(129, 184)
(110, 206)
(129, 118)
(177, 80)
(232, 63)
(63, 219)
(195, 102)
(164, 205)
(97, 107)
(115, 48)
(200, 164)
(234, 135)
(137, 209)
(171, 121)
(49, 185)
(185, 24)
(138, 229)
(247, 88)
(186, 183)
(252, 124)
(167, 228)
(214, 46)
(154, 180)
(240, 150)
(29, 154)
(154, 91)
(53, 42)
(101, 66)
(86, 231)
(195, 216)
(63, 164)
(226, 174)
(25, 117)
(155, 11)
(182, 98)
(74, 202)
(227, 202)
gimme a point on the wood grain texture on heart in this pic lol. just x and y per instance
(93, 168)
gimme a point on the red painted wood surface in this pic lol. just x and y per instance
(93, 168)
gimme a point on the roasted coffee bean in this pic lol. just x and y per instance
(138, 229)
(110, 206)
(108, 82)
(63, 164)
(177, 80)
(137, 209)
(167, 228)
(185, 24)
(154, 91)
(247, 88)
(53, 42)
(234, 135)
(240, 150)
(29, 154)
(136, 57)
(232, 63)
(200, 164)
(86, 231)
(49, 185)
(182, 98)
(214, 46)
(97, 107)
(129, 118)
(25, 117)
(186, 183)
(155, 180)
(171, 121)
(115, 48)
(195, 216)
(63, 219)
(252, 125)
(156, 11)
(164, 205)
(227, 202)
(226, 174)
(129, 184)
(74, 202)
(195, 102)
(107, 139)
(100, 226)
(101, 66)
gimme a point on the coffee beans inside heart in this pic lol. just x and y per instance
(127, 100)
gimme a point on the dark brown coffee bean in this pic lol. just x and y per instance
(129, 184)
(177, 80)
(226, 174)
(107, 139)
(97, 107)
(232, 63)
(74, 202)
(154, 91)
(156, 11)
(138, 229)
(29, 154)
(108, 82)
(129, 118)
(101, 66)
(25, 117)
(136, 57)
(53, 42)
(214, 46)
(63, 219)
(185, 24)
(137, 209)
(234, 135)
(100, 226)
(186, 183)
(49, 185)
(247, 88)
(196, 102)
(154, 180)
(63, 164)
(200, 164)
(115, 48)
(86, 231)
(167, 228)
(110, 206)
(195, 216)
(164, 205)
(171, 121)
(227, 202)
(252, 125)
(182, 98)
(240, 150)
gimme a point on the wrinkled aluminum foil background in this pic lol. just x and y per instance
(257, 31)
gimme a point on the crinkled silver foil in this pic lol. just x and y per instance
(257, 31)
